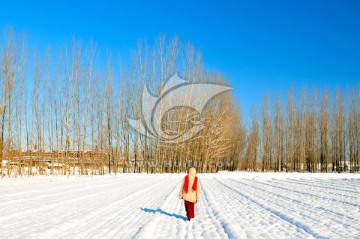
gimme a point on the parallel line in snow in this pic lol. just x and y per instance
(158, 210)
(51, 204)
(310, 218)
(340, 188)
(278, 214)
(92, 215)
(326, 198)
(47, 193)
(297, 201)
(250, 208)
(215, 209)
(286, 185)
(134, 199)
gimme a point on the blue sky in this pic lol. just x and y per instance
(261, 47)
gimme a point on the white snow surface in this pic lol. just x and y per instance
(232, 205)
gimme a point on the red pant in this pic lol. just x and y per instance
(190, 209)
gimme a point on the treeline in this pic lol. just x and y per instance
(67, 113)
(306, 132)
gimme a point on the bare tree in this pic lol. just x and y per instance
(252, 149)
(12, 66)
(353, 130)
(324, 124)
(279, 132)
(338, 133)
(266, 132)
(290, 132)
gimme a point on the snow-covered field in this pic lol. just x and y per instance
(233, 205)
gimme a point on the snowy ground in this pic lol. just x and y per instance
(233, 205)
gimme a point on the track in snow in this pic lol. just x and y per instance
(232, 205)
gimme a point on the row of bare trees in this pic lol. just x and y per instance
(67, 113)
(316, 133)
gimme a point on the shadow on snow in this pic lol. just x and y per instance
(163, 212)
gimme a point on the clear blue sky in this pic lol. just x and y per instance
(262, 47)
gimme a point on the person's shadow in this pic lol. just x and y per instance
(159, 210)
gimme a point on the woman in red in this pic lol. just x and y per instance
(190, 192)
